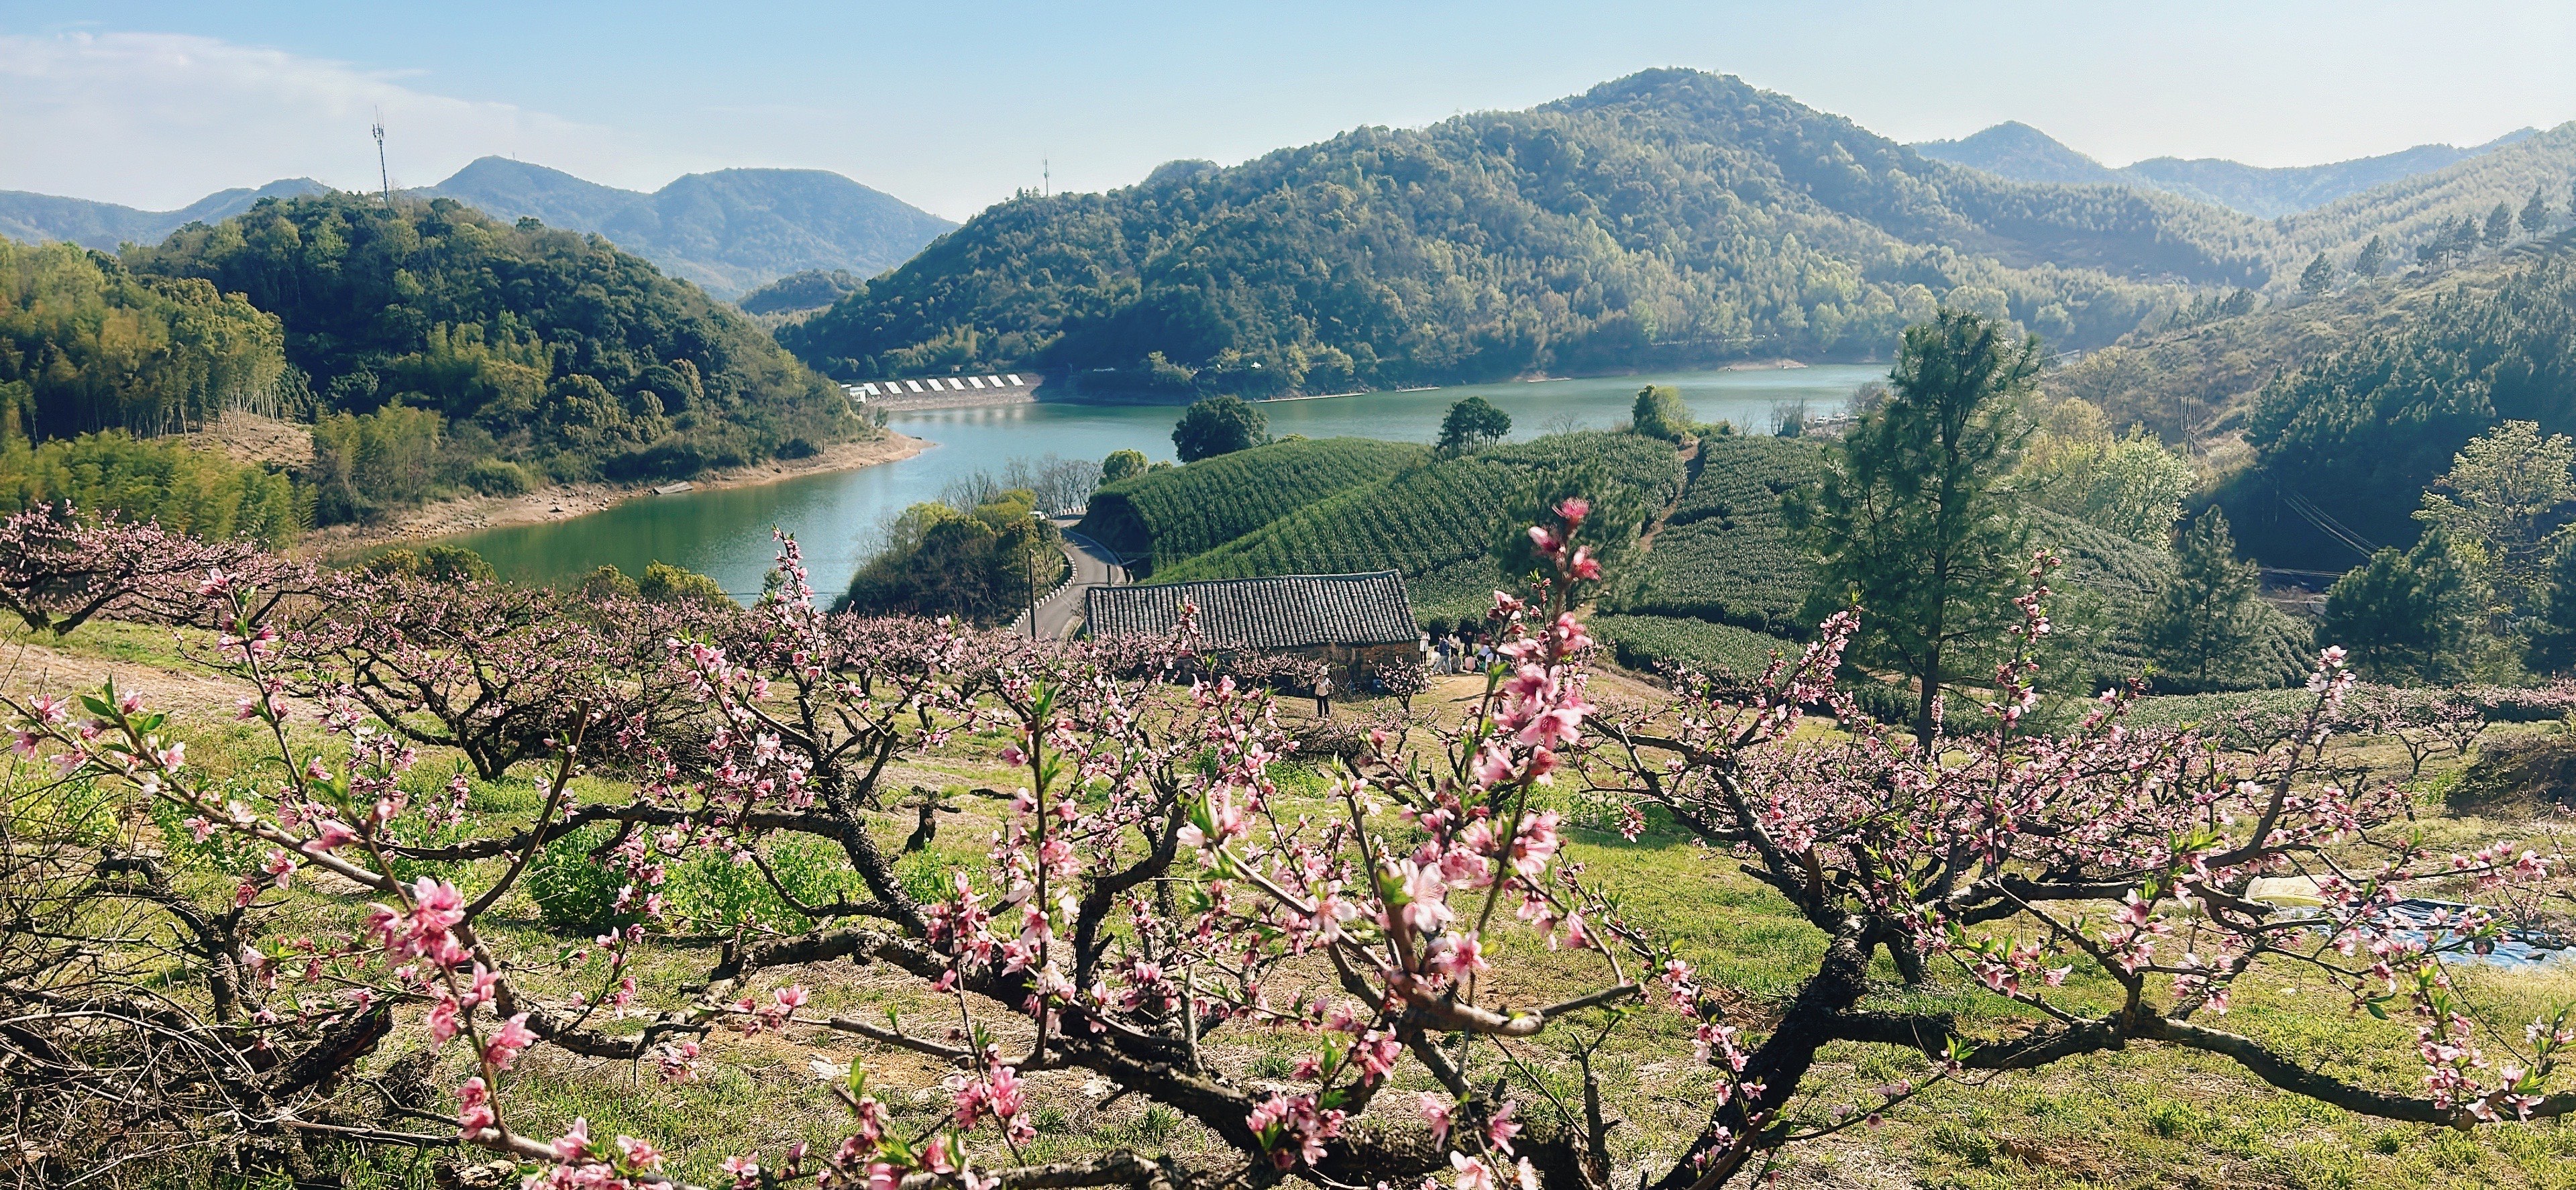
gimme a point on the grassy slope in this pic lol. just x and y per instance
(2144, 1118)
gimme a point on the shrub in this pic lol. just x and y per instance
(438, 562)
(574, 891)
(715, 893)
(499, 477)
(665, 583)
(1717, 650)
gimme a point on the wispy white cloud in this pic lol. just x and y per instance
(157, 120)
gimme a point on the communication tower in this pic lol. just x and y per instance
(383, 175)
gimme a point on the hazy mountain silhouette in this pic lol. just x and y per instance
(2022, 153)
(104, 225)
(730, 231)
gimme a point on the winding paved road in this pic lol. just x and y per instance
(1093, 566)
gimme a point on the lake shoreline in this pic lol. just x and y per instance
(1114, 399)
(565, 501)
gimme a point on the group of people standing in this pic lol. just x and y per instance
(1456, 651)
(1451, 653)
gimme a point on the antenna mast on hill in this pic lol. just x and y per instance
(383, 174)
(1046, 176)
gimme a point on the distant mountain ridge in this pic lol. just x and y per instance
(36, 218)
(730, 231)
(2021, 153)
(1669, 218)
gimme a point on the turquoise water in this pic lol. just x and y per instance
(837, 516)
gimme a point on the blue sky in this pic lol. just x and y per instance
(951, 106)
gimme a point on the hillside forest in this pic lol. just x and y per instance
(430, 350)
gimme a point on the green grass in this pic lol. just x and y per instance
(113, 640)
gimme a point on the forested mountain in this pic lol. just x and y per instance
(1666, 218)
(2018, 152)
(2025, 154)
(729, 231)
(2411, 213)
(567, 352)
(35, 218)
(2345, 443)
(2197, 380)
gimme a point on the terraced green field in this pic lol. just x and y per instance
(1429, 517)
(1725, 555)
(1161, 517)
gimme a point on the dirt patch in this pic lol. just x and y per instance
(37, 669)
(565, 501)
(2515, 776)
(250, 438)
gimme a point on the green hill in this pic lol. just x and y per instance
(812, 289)
(567, 352)
(1668, 218)
(1161, 517)
(2018, 152)
(2344, 444)
(2413, 210)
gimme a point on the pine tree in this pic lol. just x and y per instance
(2318, 276)
(1913, 518)
(2499, 225)
(2553, 631)
(2535, 214)
(2207, 615)
(2373, 259)
(2408, 617)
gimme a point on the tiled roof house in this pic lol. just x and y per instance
(1341, 617)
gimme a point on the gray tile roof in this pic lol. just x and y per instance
(1288, 612)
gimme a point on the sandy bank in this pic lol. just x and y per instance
(467, 514)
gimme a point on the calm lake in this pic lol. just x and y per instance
(837, 516)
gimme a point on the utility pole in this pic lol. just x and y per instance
(383, 174)
(1046, 176)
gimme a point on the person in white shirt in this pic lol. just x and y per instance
(1324, 696)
